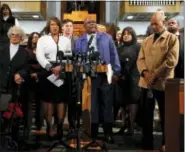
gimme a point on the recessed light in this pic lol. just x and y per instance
(130, 17)
(35, 16)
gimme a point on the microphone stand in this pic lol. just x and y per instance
(79, 131)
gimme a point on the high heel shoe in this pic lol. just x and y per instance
(50, 133)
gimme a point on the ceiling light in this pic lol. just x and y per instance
(130, 17)
(35, 16)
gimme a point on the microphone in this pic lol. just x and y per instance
(60, 55)
(90, 40)
(95, 55)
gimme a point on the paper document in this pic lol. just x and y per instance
(109, 73)
(55, 80)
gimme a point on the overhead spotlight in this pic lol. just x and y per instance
(35, 16)
(130, 17)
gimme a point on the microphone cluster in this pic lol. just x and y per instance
(83, 63)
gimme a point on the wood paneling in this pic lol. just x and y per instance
(43, 9)
(63, 9)
(24, 6)
(78, 18)
(126, 8)
(102, 12)
(174, 99)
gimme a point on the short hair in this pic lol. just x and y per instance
(56, 20)
(175, 20)
(3, 7)
(130, 30)
(67, 21)
(17, 30)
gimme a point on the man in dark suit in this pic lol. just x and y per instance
(173, 27)
(101, 90)
(67, 30)
(13, 61)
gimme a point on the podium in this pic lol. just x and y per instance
(174, 115)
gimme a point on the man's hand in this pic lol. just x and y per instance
(149, 77)
(56, 70)
(18, 79)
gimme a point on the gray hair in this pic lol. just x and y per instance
(16, 30)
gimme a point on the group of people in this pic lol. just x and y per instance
(138, 70)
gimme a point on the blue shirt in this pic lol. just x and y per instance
(106, 48)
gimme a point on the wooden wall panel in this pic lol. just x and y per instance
(126, 8)
(24, 6)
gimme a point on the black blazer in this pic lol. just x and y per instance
(8, 68)
(179, 70)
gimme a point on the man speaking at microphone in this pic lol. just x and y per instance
(101, 90)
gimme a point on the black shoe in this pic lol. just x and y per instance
(109, 139)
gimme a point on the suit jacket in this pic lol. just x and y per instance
(106, 48)
(159, 57)
(73, 41)
(179, 70)
(8, 68)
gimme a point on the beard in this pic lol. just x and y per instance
(172, 30)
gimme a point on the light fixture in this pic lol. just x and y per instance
(130, 17)
(35, 16)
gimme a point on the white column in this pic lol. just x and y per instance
(107, 14)
(58, 9)
(53, 9)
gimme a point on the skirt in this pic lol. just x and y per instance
(51, 93)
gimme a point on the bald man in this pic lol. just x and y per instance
(156, 62)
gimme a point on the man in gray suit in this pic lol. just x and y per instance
(67, 30)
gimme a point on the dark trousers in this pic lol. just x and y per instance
(39, 114)
(101, 104)
(27, 109)
(72, 109)
(148, 105)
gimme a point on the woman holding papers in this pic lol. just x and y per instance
(49, 47)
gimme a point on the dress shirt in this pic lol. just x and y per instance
(46, 50)
(13, 50)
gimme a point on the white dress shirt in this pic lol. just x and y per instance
(46, 50)
(13, 50)
(94, 43)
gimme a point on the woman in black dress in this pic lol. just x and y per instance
(130, 91)
(7, 20)
(48, 48)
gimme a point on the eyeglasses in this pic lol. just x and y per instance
(5, 8)
(15, 35)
